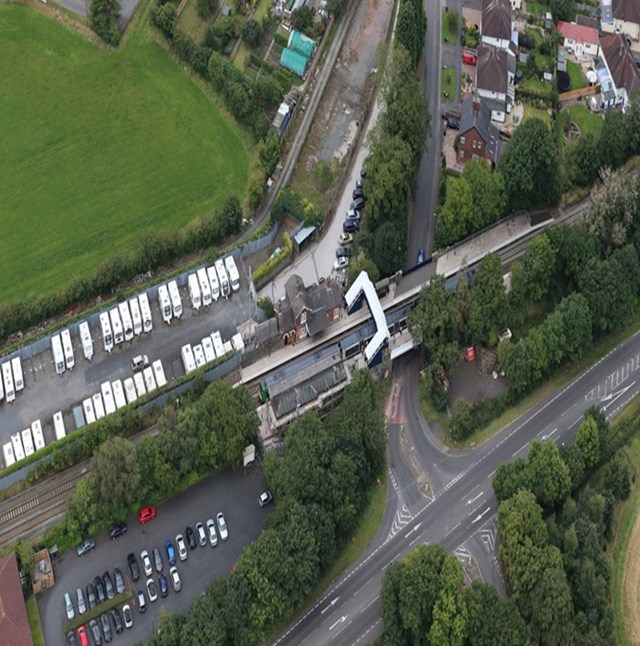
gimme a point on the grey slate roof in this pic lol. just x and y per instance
(627, 10)
(620, 62)
(481, 120)
(491, 72)
(496, 19)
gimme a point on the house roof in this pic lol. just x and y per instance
(620, 62)
(627, 10)
(480, 119)
(579, 33)
(14, 625)
(496, 19)
(587, 21)
(492, 68)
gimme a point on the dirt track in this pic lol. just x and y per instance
(631, 587)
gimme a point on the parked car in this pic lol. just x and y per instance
(162, 584)
(82, 606)
(146, 514)
(157, 559)
(71, 639)
(117, 530)
(91, 596)
(108, 585)
(171, 553)
(363, 172)
(106, 626)
(191, 537)
(421, 256)
(352, 214)
(211, 530)
(351, 226)
(86, 546)
(358, 192)
(175, 579)
(343, 251)
(139, 362)
(127, 616)
(265, 498)
(181, 547)
(82, 636)
(345, 238)
(118, 580)
(142, 604)
(95, 632)
(222, 526)
(146, 562)
(341, 263)
(134, 570)
(100, 592)
(68, 607)
(202, 536)
(358, 204)
(151, 590)
(453, 123)
(117, 620)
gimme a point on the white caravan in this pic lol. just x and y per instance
(67, 348)
(118, 394)
(116, 325)
(213, 282)
(127, 323)
(145, 311)
(205, 286)
(98, 406)
(89, 413)
(222, 278)
(86, 340)
(194, 291)
(238, 343)
(207, 346)
(198, 355)
(58, 355)
(232, 270)
(218, 346)
(7, 378)
(138, 380)
(58, 425)
(149, 379)
(130, 390)
(176, 300)
(136, 317)
(18, 450)
(107, 336)
(107, 397)
(187, 358)
(158, 371)
(38, 437)
(27, 442)
(9, 457)
(165, 304)
(18, 377)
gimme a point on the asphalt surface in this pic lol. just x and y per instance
(235, 494)
(460, 513)
(81, 7)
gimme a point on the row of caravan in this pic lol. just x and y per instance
(210, 348)
(12, 381)
(23, 444)
(208, 285)
(130, 318)
(117, 394)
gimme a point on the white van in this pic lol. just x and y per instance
(158, 372)
(89, 413)
(207, 347)
(58, 355)
(87, 341)
(27, 442)
(205, 286)
(107, 398)
(138, 381)
(18, 450)
(18, 377)
(38, 437)
(7, 377)
(130, 390)
(136, 317)
(187, 358)
(223, 279)
(58, 425)
(238, 343)
(213, 282)
(198, 355)
(149, 379)
(145, 312)
(116, 325)
(232, 271)
(218, 346)
(165, 304)
(127, 323)
(194, 292)
(118, 393)
(67, 348)
(9, 457)
(98, 406)
(107, 336)
(176, 300)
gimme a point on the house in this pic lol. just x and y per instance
(626, 17)
(306, 311)
(496, 28)
(621, 68)
(495, 80)
(587, 21)
(516, 5)
(478, 137)
(579, 39)
(14, 624)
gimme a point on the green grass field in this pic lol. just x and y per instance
(578, 80)
(586, 121)
(99, 147)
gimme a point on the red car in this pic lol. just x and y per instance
(82, 636)
(469, 57)
(146, 514)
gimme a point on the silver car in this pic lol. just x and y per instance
(68, 606)
(146, 562)
(82, 606)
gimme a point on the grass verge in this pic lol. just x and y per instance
(34, 621)
(448, 84)
(561, 379)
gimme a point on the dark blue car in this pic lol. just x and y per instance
(351, 226)
(421, 256)
(171, 553)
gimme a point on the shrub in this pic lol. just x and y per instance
(266, 268)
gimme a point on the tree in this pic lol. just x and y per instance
(613, 143)
(411, 27)
(550, 478)
(251, 32)
(165, 19)
(588, 441)
(577, 326)
(231, 215)
(103, 18)
(449, 624)
(388, 247)
(528, 163)
(632, 124)
(617, 477)
(455, 219)
(539, 267)
(582, 160)
(302, 19)
(572, 457)
(488, 192)
(510, 477)
(206, 8)
(563, 10)
(613, 209)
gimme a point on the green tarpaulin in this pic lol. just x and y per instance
(293, 61)
(302, 44)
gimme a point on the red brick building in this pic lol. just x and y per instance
(14, 624)
(478, 138)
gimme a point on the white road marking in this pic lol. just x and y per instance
(333, 602)
(568, 409)
(479, 516)
(338, 622)
(470, 502)
(522, 448)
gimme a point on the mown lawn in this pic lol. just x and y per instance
(586, 121)
(99, 147)
(448, 84)
(190, 21)
(535, 113)
(578, 80)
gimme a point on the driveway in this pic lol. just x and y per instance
(235, 494)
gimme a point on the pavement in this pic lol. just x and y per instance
(235, 494)
(460, 511)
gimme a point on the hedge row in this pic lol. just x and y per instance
(266, 268)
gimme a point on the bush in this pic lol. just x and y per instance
(266, 268)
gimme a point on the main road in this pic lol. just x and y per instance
(461, 503)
